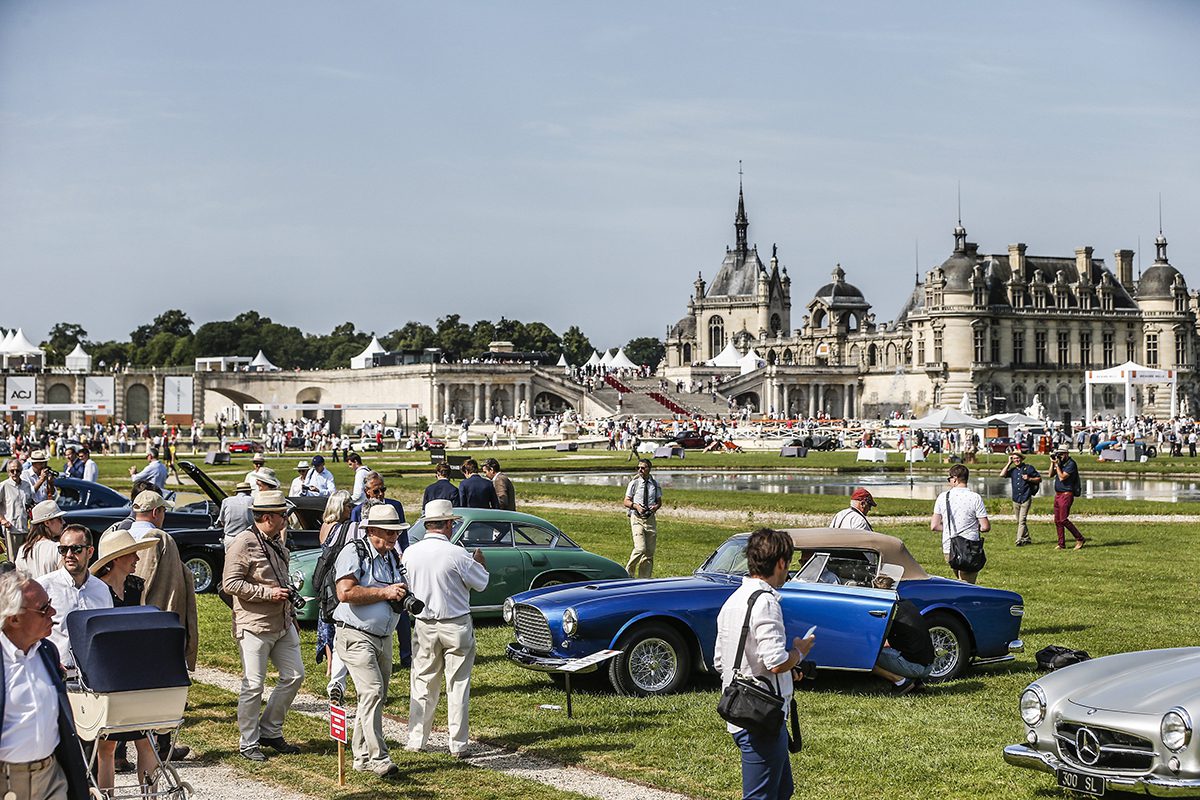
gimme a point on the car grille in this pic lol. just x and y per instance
(1116, 750)
(531, 628)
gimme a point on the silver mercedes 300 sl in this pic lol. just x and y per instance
(1121, 722)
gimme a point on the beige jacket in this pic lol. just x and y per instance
(251, 572)
(170, 586)
(505, 492)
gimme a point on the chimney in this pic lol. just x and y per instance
(1124, 262)
(1016, 260)
(1083, 263)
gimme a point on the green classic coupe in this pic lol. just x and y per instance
(523, 552)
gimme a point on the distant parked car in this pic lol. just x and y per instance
(522, 551)
(691, 440)
(666, 628)
(1005, 444)
(1121, 723)
(245, 446)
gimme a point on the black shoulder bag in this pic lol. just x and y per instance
(966, 555)
(752, 703)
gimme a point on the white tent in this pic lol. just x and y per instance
(946, 418)
(262, 364)
(621, 361)
(1130, 374)
(562, 362)
(729, 357)
(78, 360)
(364, 359)
(606, 359)
(18, 345)
(1014, 419)
(4, 340)
(594, 361)
(751, 361)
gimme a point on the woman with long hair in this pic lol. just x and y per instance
(337, 513)
(39, 554)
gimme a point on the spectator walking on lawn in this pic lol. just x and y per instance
(643, 498)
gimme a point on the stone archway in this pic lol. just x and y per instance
(56, 394)
(310, 395)
(545, 403)
(502, 403)
(137, 404)
(748, 399)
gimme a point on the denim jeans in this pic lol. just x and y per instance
(766, 765)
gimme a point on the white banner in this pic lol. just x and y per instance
(99, 390)
(20, 390)
(177, 395)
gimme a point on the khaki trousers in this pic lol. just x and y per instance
(1022, 512)
(283, 650)
(441, 647)
(369, 660)
(36, 780)
(645, 538)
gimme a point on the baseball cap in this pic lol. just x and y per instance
(862, 494)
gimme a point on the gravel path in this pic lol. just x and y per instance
(483, 756)
(220, 782)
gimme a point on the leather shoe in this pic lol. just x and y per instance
(123, 765)
(279, 745)
(254, 753)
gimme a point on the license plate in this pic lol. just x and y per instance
(1079, 782)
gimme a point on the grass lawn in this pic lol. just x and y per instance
(1130, 589)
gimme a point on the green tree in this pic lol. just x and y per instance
(483, 333)
(158, 351)
(645, 350)
(413, 336)
(576, 347)
(108, 354)
(537, 336)
(62, 340)
(171, 321)
(454, 337)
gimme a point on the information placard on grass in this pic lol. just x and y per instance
(580, 664)
(337, 724)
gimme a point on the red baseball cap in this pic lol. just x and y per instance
(862, 494)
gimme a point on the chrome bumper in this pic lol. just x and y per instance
(1020, 755)
(539, 663)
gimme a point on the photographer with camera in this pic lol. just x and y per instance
(371, 594)
(41, 477)
(1025, 484)
(1066, 487)
(264, 624)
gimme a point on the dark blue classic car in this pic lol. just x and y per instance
(666, 628)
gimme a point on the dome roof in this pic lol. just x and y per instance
(684, 328)
(840, 294)
(1156, 282)
(957, 270)
(915, 303)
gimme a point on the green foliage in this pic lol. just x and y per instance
(172, 321)
(454, 337)
(484, 333)
(413, 336)
(62, 340)
(108, 354)
(537, 336)
(645, 350)
(576, 347)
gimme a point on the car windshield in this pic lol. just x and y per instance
(730, 559)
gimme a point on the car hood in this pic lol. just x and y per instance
(206, 484)
(581, 594)
(1145, 682)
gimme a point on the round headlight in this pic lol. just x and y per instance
(507, 610)
(1176, 729)
(1033, 705)
(570, 622)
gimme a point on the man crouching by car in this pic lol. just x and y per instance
(766, 766)
(907, 656)
(370, 590)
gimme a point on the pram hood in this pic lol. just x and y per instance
(128, 649)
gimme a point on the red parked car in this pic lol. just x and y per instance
(1003, 444)
(245, 446)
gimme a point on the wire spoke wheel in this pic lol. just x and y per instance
(202, 573)
(951, 647)
(653, 664)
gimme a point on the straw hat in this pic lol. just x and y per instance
(115, 544)
(270, 500)
(302, 466)
(384, 516)
(45, 511)
(259, 458)
(1062, 448)
(38, 457)
(265, 475)
(439, 511)
(242, 487)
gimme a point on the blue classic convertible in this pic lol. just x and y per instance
(666, 628)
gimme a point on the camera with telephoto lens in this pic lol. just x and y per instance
(297, 600)
(409, 603)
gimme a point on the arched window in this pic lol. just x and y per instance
(872, 356)
(687, 354)
(771, 357)
(776, 324)
(716, 336)
(787, 356)
(852, 322)
(59, 393)
(818, 318)
(1019, 398)
(137, 403)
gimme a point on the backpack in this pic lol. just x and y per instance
(1054, 657)
(1034, 488)
(324, 579)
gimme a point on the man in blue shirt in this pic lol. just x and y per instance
(1025, 482)
(442, 488)
(154, 472)
(1066, 487)
(476, 491)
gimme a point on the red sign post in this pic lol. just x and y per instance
(337, 730)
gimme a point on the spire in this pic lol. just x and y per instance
(741, 222)
(1160, 249)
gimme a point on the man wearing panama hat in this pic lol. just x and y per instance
(235, 516)
(265, 626)
(259, 461)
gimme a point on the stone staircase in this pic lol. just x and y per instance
(639, 401)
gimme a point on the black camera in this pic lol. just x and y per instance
(410, 604)
(293, 589)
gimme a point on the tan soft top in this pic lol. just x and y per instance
(891, 550)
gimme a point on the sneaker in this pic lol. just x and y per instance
(1059, 547)
(279, 745)
(390, 771)
(1079, 544)
(908, 687)
(337, 695)
(254, 753)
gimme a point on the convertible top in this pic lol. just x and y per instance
(891, 550)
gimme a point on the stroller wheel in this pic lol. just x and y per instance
(187, 789)
(95, 793)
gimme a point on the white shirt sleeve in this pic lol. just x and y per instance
(475, 575)
(980, 508)
(769, 633)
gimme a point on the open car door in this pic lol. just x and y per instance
(851, 621)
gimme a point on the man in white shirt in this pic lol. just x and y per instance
(259, 461)
(91, 472)
(318, 479)
(958, 511)
(360, 474)
(298, 489)
(442, 575)
(40, 756)
(766, 767)
(41, 477)
(855, 517)
(16, 496)
(154, 472)
(72, 587)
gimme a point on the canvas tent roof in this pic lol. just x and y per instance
(606, 359)
(621, 361)
(18, 345)
(1016, 419)
(5, 339)
(594, 360)
(562, 361)
(751, 361)
(946, 418)
(363, 359)
(729, 357)
(261, 362)
(78, 359)
(1135, 372)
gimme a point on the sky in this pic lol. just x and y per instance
(576, 164)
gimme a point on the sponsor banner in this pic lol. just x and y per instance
(100, 390)
(177, 395)
(20, 390)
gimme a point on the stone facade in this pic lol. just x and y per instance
(999, 328)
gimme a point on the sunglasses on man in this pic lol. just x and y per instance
(63, 549)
